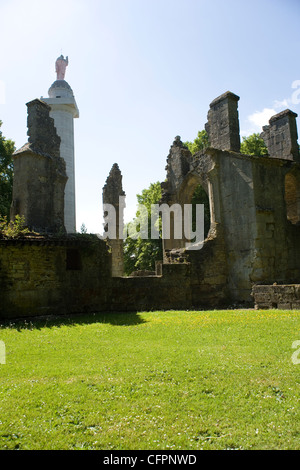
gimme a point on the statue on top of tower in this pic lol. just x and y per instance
(60, 67)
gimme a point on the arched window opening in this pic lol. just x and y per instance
(201, 197)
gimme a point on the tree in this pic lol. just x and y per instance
(139, 253)
(254, 145)
(251, 145)
(7, 147)
(199, 144)
(83, 228)
(200, 197)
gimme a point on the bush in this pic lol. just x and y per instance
(13, 229)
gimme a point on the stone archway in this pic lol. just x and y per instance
(193, 190)
(196, 190)
(200, 196)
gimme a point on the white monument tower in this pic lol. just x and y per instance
(63, 111)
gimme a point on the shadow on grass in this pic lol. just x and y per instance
(50, 321)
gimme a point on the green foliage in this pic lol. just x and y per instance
(139, 253)
(83, 229)
(13, 229)
(150, 196)
(254, 145)
(251, 145)
(7, 148)
(199, 144)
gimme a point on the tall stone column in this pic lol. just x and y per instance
(64, 110)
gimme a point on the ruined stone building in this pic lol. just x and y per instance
(40, 174)
(254, 205)
(250, 254)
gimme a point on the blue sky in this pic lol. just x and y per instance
(144, 71)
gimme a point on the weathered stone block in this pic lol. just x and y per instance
(284, 305)
(281, 136)
(223, 123)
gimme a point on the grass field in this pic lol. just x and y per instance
(157, 380)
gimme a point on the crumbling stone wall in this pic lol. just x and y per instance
(56, 276)
(276, 296)
(46, 275)
(254, 205)
(281, 136)
(40, 174)
(112, 191)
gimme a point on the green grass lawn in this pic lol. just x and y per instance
(157, 380)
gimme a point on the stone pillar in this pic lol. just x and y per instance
(178, 163)
(112, 191)
(64, 110)
(223, 123)
(178, 166)
(280, 136)
(40, 174)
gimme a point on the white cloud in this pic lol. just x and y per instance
(256, 121)
(261, 118)
(282, 104)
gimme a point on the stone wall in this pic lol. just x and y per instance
(171, 290)
(53, 276)
(259, 241)
(251, 238)
(207, 271)
(281, 136)
(254, 205)
(276, 296)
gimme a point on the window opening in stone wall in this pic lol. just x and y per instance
(200, 197)
(73, 260)
(292, 198)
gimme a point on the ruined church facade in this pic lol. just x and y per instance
(254, 203)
